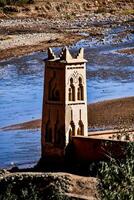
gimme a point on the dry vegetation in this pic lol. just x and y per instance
(66, 8)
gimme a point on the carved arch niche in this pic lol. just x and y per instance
(71, 92)
(48, 131)
(80, 130)
(80, 92)
(59, 133)
(72, 127)
(53, 89)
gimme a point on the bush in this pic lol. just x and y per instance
(117, 177)
(3, 3)
(26, 187)
(29, 193)
(10, 9)
(15, 2)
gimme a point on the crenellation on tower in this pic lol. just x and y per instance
(51, 54)
(65, 54)
(80, 55)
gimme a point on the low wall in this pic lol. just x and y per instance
(87, 149)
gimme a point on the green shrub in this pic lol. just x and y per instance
(3, 3)
(15, 2)
(32, 188)
(29, 193)
(32, 193)
(117, 177)
(24, 1)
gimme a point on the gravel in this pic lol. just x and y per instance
(26, 39)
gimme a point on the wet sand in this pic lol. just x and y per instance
(127, 51)
(22, 36)
(105, 114)
(56, 40)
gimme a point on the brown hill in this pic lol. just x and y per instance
(68, 8)
(112, 113)
(106, 114)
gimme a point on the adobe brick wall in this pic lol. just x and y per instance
(87, 149)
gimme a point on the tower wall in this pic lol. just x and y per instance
(76, 109)
(53, 117)
(64, 103)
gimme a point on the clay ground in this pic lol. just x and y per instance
(106, 114)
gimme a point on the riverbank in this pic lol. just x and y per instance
(21, 44)
(20, 36)
(113, 113)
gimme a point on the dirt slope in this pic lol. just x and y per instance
(111, 113)
(68, 8)
(116, 112)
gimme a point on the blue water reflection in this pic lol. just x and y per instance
(19, 148)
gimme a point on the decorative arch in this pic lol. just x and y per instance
(72, 128)
(48, 133)
(80, 92)
(75, 75)
(53, 90)
(71, 91)
(55, 93)
(80, 130)
(59, 133)
(60, 141)
(50, 86)
(72, 124)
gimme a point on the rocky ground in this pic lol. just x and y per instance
(64, 9)
(25, 35)
(22, 36)
(54, 185)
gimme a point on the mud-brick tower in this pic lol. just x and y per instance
(64, 102)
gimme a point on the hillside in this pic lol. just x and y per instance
(64, 8)
(121, 110)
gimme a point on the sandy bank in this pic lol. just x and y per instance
(106, 114)
(19, 36)
(18, 45)
(127, 51)
(27, 39)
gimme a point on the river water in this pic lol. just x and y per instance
(109, 75)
